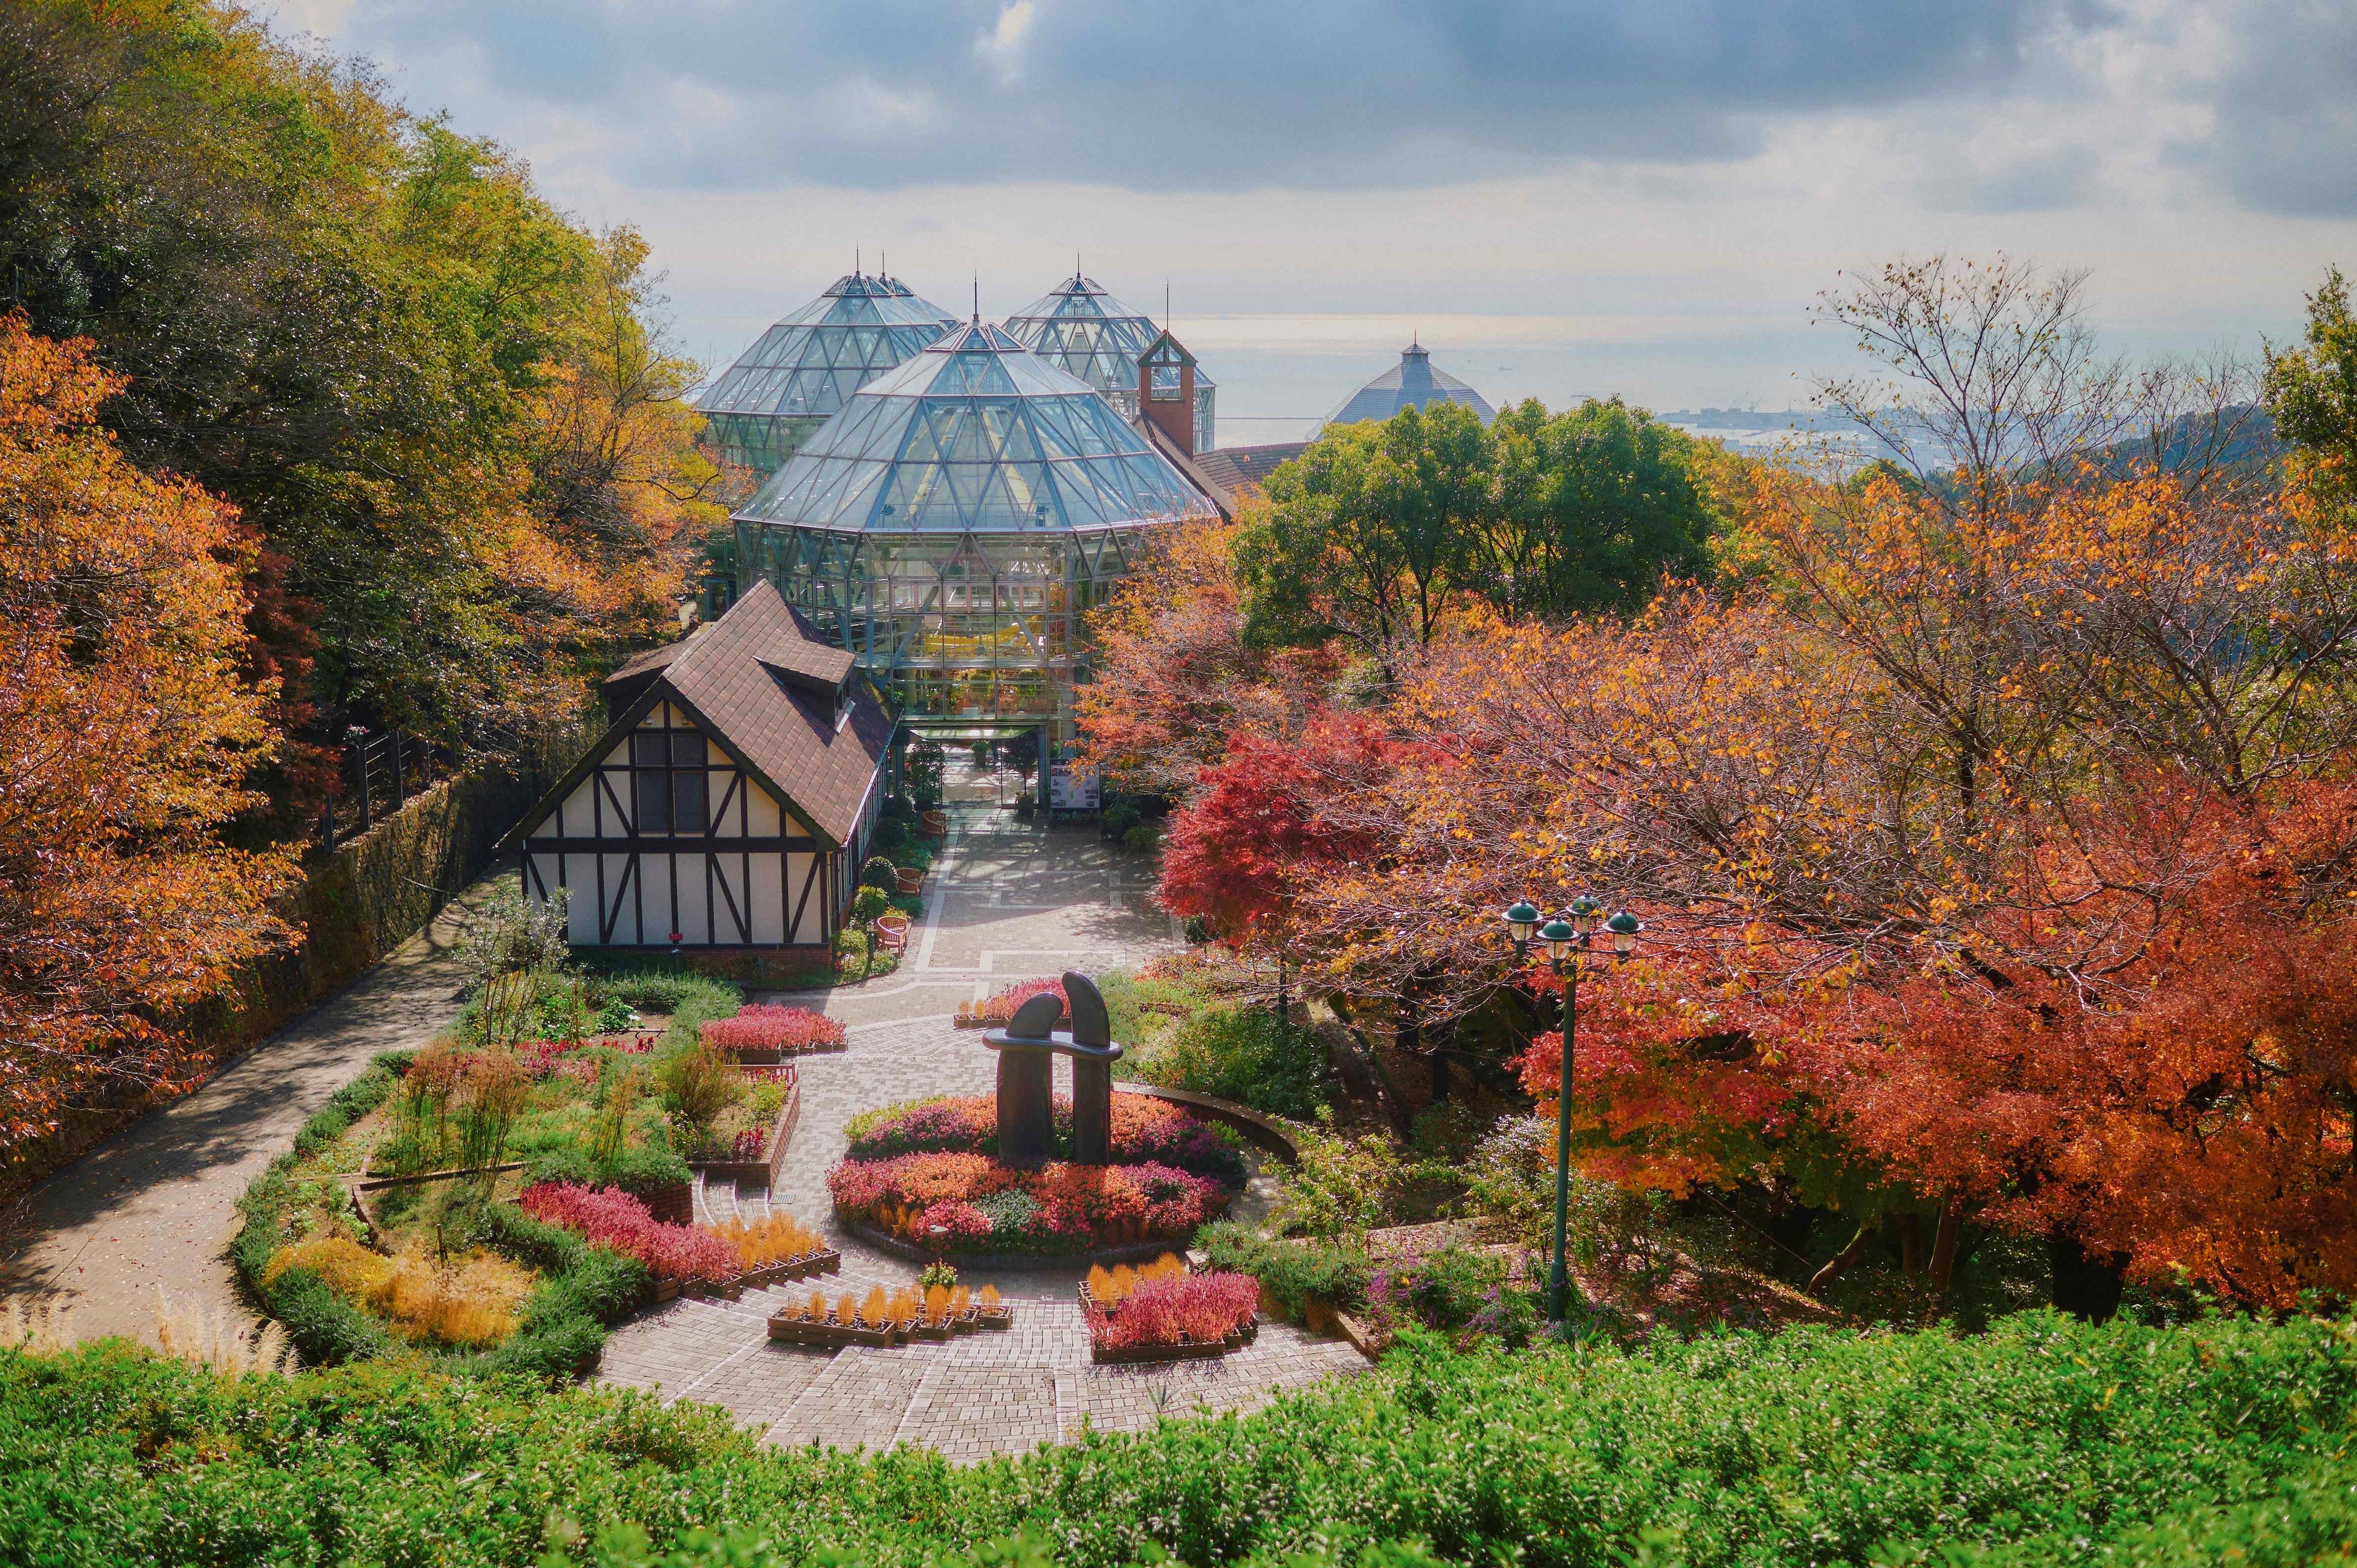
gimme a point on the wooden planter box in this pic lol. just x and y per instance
(1129, 1355)
(786, 1270)
(935, 824)
(999, 1316)
(714, 1290)
(911, 878)
(789, 1330)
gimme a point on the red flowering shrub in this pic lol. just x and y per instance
(541, 1058)
(1000, 1009)
(1178, 1309)
(1057, 1209)
(958, 1227)
(768, 1026)
(612, 1218)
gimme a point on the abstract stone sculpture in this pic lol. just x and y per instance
(1027, 1049)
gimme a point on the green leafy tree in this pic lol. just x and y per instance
(1593, 506)
(1366, 534)
(2312, 394)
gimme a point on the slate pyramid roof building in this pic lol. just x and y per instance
(808, 364)
(955, 522)
(1411, 383)
(1083, 331)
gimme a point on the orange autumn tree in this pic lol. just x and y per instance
(127, 733)
(1945, 855)
(1172, 674)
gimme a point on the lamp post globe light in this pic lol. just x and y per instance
(1568, 937)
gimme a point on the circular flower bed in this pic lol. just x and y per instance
(1145, 1131)
(922, 1173)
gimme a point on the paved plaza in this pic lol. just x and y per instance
(1007, 901)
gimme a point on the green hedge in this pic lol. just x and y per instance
(582, 1287)
(1239, 1051)
(2042, 1442)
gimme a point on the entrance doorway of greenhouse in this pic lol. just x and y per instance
(991, 766)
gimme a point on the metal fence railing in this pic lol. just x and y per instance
(380, 770)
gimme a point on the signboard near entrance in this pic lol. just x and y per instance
(1072, 787)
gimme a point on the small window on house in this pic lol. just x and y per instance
(688, 801)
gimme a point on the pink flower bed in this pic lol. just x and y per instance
(1201, 1309)
(612, 1218)
(1057, 1209)
(767, 1026)
(1000, 1009)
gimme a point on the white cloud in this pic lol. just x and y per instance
(1002, 47)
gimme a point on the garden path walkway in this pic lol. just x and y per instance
(1008, 900)
(157, 1203)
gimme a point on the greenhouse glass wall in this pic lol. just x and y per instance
(1086, 333)
(804, 368)
(953, 525)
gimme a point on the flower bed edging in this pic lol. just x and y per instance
(1262, 1131)
(1002, 1263)
(1130, 1355)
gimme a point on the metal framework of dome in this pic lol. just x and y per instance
(1083, 331)
(1411, 383)
(806, 366)
(955, 522)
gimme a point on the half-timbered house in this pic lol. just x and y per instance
(730, 801)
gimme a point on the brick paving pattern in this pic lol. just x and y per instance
(1007, 901)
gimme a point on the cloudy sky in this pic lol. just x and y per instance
(1564, 200)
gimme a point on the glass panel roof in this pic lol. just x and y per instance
(1411, 383)
(810, 361)
(974, 433)
(1085, 332)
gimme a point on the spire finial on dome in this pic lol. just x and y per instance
(978, 298)
(855, 260)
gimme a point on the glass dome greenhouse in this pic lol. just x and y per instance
(1411, 383)
(806, 367)
(953, 525)
(1086, 333)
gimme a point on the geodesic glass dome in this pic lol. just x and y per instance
(806, 366)
(1086, 333)
(953, 525)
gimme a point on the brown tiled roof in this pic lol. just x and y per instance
(763, 684)
(764, 681)
(1245, 468)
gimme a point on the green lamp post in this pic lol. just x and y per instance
(1568, 938)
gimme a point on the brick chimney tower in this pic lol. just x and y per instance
(1165, 390)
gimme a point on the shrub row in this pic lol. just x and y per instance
(582, 1287)
(609, 1218)
(2042, 1442)
(768, 1026)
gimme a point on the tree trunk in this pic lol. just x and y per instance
(1840, 1261)
(2086, 1284)
(1910, 1242)
(1944, 1244)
